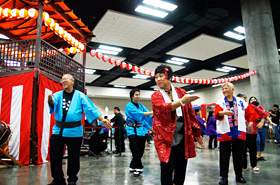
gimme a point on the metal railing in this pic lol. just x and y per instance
(18, 56)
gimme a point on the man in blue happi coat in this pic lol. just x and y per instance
(139, 118)
(68, 106)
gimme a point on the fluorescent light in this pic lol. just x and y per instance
(180, 59)
(110, 48)
(151, 11)
(234, 35)
(278, 49)
(191, 91)
(107, 52)
(229, 68)
(141, 76)
(223, 70)
(216, 85)
(3, 37)
(161, 4)
(174, 62)
(240, 29)
(121, 86)
(89, 71)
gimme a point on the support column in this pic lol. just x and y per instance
(262, 51)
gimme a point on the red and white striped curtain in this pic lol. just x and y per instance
(45, 121)
(15, 110)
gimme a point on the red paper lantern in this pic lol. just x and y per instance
(146, 72)
(82, 47)
(73, 50)
(111, 60)
(45, 16)
(128, 66)
(123, 65)
(1, 11)
(182, 80)
(105, 58)
(117, 62)
(152, 74)
(33, 13)
(98, 55)
(135, 68)
(140, 70)
(48, 22)
(67, 51)
(23, 13)
(15, 13)
(7, 12)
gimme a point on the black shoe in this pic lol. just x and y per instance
(57, 183)
(241, 180)
(71, 183)
(224, 181)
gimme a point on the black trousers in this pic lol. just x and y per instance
(176, 163)
(137, 146)
(119, 140)
(57, 143)
(251, 143)
(211, 141)
(236, 146)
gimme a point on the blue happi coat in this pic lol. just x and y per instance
(80, 103)
(137, 115)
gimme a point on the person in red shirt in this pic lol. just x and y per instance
(175, 127)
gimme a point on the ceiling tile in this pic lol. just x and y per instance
(205, 74)
(95, 63)
(241, 62)
(90, 78)
(128, 81)
(125, 30)
(203, 47)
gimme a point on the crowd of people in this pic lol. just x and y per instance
(232, 126)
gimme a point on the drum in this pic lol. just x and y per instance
(5, 133)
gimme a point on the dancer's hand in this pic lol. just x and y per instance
(50, 100)
(189, 98)
(200, 141)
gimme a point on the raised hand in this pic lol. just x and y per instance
(189, 98)
(50, 100)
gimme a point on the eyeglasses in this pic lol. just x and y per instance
(64, 79)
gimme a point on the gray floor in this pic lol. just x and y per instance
(204, 169)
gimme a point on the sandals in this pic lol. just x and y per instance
(261, 159)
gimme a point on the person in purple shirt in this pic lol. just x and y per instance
(201, 124)
(211, 130)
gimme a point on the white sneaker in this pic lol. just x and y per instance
(139, 170)
(132, 170)
(148, 148)
(136, 173)
(255, 169)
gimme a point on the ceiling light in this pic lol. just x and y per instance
(191, 91)
(216, 85)
(234, 35)
(3, 37)
(110, 48)
(278, 49)
(141, 76)
(223, 70)
(89, 71)
(107, 52)
(174, 62)
(151, 11)
(180, 59)
(161, 4)
(240, 29)
(121, 86)
(229, 68)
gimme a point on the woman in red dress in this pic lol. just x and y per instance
(175, 127)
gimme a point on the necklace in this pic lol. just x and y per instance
(169, 91)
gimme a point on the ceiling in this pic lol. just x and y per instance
(194, 31)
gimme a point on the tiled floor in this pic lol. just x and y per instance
(108, 170)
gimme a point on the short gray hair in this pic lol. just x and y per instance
(71, 76)
(241, 95)
(230, 85)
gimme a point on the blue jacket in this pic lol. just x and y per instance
(80, 103)
(137, 115)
